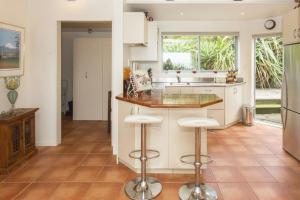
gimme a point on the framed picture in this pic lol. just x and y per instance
(11, 50)
(142, 80)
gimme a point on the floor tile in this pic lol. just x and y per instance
(256, 174)
(98, 160)
(284, 174)
(56, 174)
(70, 191)
(105, 191)
(38, 191)
(246, 161)
(11, 190)
(227, 174)
(85, 174)
(236, 191)
(27, 174)
(115, 174)
(269, 191)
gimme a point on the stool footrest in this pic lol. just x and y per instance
(155, 153)
(182, 159)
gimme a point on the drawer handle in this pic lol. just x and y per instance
(295, 33)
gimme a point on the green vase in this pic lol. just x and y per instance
(12, 96)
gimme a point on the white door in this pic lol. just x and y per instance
(87, 81)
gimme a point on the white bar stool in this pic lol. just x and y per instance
(143, 188)
(197, 190)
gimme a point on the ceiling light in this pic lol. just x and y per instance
(243, 13)
(181, 13)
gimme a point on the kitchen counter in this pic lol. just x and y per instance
(158, 99)
(171, 140)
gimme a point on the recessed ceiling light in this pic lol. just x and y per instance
(181, 13)
(243, 13)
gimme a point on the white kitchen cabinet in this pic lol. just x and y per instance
(182, 140)
(155, 134)
(135, 29)
(291, 27)
(172, 90)
(149, 52)
(219, 91)
(227, 112)
(126, 133)
(233, 104)
(218, 115)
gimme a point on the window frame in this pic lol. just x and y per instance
(237, 49)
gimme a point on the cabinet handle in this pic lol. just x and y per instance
(299, 33)
(295, 33)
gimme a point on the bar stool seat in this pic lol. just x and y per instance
(197, 190)
(143, 119)
(144, 187)
(193, 122)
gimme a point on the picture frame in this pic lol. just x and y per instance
(12, 50)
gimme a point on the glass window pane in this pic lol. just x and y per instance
(180, 52)
(218, 53)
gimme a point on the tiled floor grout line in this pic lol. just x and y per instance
(23, 190)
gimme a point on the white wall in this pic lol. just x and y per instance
(45, 76)
(15, 12)
(67, 56)
(246, 30)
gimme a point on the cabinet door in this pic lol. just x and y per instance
(15, 145)
(29, 134)
(157, 138)
(182, 140)
(150, 52)
(126, 133)
(186, 90)
(135, 28)
(172, 90)
(291, 27)
(218, 115)
(234, 101)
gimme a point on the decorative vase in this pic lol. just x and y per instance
(12, 84)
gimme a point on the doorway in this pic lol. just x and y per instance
(269, 75)
(86, 55)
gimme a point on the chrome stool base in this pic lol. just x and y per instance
(189, 191)
(137, 191)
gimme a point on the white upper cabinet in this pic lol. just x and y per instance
(149, 53)
(291, 27)
(135, 29)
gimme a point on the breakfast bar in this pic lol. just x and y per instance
(167, 137)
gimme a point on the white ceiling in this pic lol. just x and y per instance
(212, 11)
(208, 1)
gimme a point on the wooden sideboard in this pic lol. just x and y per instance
(17, 138)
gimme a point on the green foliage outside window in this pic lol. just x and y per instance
(206, 52)
(269, 62)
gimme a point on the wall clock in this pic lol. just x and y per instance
(270, 24)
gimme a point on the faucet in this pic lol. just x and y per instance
(178, 79)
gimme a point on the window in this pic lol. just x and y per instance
(199, 52)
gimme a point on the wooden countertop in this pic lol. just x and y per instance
(158, 99)
(17, 114)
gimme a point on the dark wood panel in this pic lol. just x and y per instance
(17, 138)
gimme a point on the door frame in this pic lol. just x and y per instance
(254, 71)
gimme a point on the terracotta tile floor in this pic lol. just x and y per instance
(249, 165)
